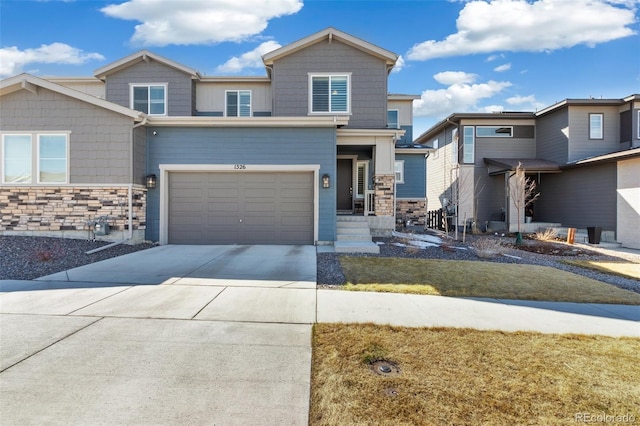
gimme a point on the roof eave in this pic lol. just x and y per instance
(142, 56)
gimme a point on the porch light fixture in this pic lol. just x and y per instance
(325, 181)
(151, 181)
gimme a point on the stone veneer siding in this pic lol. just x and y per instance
(44, 210)
(413, 210)
(384, 195)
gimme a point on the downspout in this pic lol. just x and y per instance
(130, 218)
(129, 195)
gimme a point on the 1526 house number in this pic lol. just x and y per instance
(240, 166)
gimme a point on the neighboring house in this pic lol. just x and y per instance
(162, 153)
(584, 155)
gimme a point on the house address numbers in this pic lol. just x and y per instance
(239, 166)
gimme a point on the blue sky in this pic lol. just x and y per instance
(459, 56)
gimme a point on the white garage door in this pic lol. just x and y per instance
(241, 208)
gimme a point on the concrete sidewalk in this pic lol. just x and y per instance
(484, 314)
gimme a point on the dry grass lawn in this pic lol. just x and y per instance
(462, 376)
(624, 269)
(478, 279)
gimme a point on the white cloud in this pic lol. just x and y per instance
(525, 103)
(199, 21)
(519, 25)
(502, 68)
(251, 59)
(13, 60)
(399, 64)
(454, 77)
(495, 57)
(458, 97)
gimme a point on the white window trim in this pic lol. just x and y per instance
(591, 114)
(638, 125)
(472, 154)
(401, 171)
(398, 123)
(497, 135)
(166, 91)
(366, 180)
(37, 159)
(226, 107)
(329, 74)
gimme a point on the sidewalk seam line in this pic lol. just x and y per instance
(51, 344)
(208, 303)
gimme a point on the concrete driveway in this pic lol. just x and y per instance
(170, 335)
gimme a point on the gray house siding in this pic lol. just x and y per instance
(489, 193)
(553, 136)
(180, 94)
(100, 140)
(579, 197)
(290, 80)
(139, 155)
(580, 146)
(245, 146)
(503, 148)
(414, 176)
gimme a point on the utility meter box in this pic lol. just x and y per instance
(102, 227)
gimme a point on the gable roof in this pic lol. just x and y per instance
(32, 83)
(143, 56)
(331, 34)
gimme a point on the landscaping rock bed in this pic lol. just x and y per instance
(27, 258)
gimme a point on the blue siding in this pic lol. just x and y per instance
(244, 146)
(415, 170)
(407, 139)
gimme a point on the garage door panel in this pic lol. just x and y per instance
(241, 208)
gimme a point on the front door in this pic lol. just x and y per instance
(344, 187)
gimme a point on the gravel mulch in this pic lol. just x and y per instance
(330, 272)
(27, 258)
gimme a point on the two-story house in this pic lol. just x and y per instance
(583, 154)
(159, 152)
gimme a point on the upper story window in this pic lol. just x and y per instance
(329, 93)
(393, 121)
(399, 171)
(50, 160)
(494, 131)
(149, 98)
(238, 103)
(468, 145)
(596, 129)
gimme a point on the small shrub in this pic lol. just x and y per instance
(548, 234)
(487, 247)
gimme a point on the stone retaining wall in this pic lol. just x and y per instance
(69, 211)
(384, 195)
(413, 210)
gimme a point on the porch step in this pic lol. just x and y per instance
(356, 247)
(354, 236)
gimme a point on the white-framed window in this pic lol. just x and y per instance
(454, 146)
(393, 119)
(361, 178)
(238, 103)
(52, 158)
(329, 93)
(16, 158)
(149, 98)
(45, 152)
(638, 124)
(435, 144)
(494, 131)
(596, 126)
(399, 171)
(468, 145)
